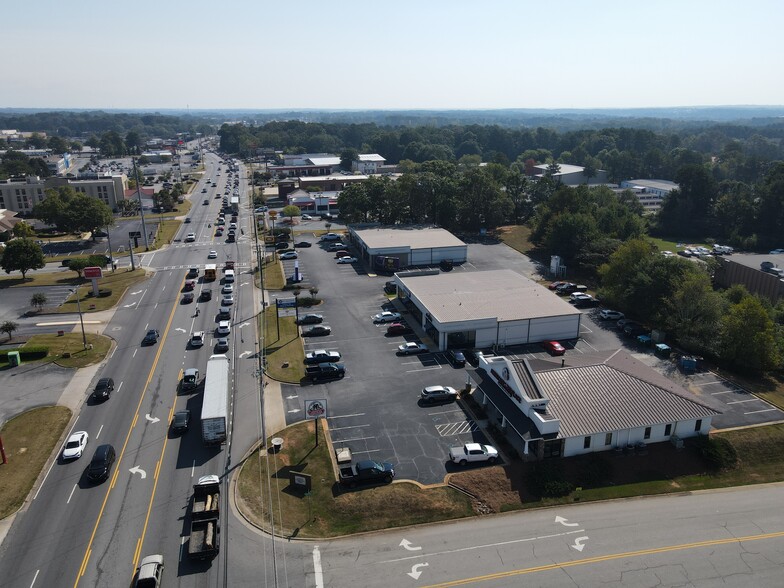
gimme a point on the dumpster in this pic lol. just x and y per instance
(14, 359)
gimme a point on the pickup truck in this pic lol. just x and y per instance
(321, 356)
(204, 539)
(366, 472)
(325, 371)
(473, 452)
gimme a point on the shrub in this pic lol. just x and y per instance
(28, 352)
(597, 472)
(717, 451)
(547, 481)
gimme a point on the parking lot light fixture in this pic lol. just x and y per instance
(297, 292)
(81, 320)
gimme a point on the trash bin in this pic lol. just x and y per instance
(13, 359)
(277, 444)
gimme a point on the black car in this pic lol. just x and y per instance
(390, 287)
(187, 298)
(310, 319)
(206, 294)
(281, 245)
(317, 331)
(151, 338)
(103, 389)
(471, 356)
(634, 329)
(303, 244)
(181, 420)
(101, 465)
(457, 357)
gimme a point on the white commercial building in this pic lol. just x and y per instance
(486, 309)
(572, 175)
(393, 248)
(650, 193)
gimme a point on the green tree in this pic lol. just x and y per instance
(58, 145)
(748, 336)
(38, 301)
(23, 230)
(291, 211)
(693, 313)
(134, 142)
(22, 255)
(8, 327)
(72, 211)
(79, 264)
(347, 158)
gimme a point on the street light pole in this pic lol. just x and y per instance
(81, 320)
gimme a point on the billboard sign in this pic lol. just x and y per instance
(286, 303)
(92, 272)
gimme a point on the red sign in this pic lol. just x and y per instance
(92, 272)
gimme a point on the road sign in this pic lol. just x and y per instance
(315, 409)
(92, 273)
(273, 213)
(134, 234)
(286, 303)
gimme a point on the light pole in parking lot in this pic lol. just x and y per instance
(141, 207)
(297, 291)
(81, 319)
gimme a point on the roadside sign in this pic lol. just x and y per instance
(273, 213)
(92, 273)
(315, 409)
(286, 303)
(134, 234)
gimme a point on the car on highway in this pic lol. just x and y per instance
(227, 300)
(399, 329)
(347, 259)
(197, 339)
(150, 572)
(310, 319)
(412, 348)
(387, 317)
(224, 328)
(101, 464)
(227, 289)
(181, 421)
(190, 237)
(289, 255)
(187, 298)
(305, 244)
(610, 315)
(321, 356)
(553, 347)
(103, 389)
(212, 255)
(187, 220)
(438, 394)
(473, 452)
(317, 331)
(205, 294)
(224, 311)
(188, 285)
(151, 338)
(221, 344)
(75, 445)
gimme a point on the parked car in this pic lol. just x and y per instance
(387, 317)
(554, 347)
(330, 237)
(347, 259)
(456, 357)
(303, 244)
(412, 348)
(310, 319)
(151, 338)
(333, 247)
(305, 216)
(103, 389)
(181, 420)
(473, 452)
(438, 394)
(399, 329)
(472, 356)
(610, 315)
(575, 296)
(75, 445)
(281, 245)
(321, 356)
(317, 331)
(101, 464)
(289, 255)
(633, 329)
(390, 287)
(366, 472)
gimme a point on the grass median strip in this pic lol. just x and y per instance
(118, 282)
(28, 440)
(330, 511)
(67, 350)
(282, 347)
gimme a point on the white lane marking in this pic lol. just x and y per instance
(99, 432)
(147, 327)
(120, 386)
(756, 411)
(134, 353)
(53, 462)
(193, 468)
(111, 355)
(710, 383)
(722, 392)
(742, 401)
(35, 578)
(317, 573)
(352, 427)
(70, 495)
(182, 545)
(513, 541)
(139, 303)
(356, 439)
(149, 261)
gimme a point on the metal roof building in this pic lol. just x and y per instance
(483, 309)
(597, 402)
(401, 247)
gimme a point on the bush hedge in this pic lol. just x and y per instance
(28, 353)
(717, 451)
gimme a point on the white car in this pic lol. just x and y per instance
(473, 452)
(387, 317)
(190, 238)
(411, 348)
(212, 255)
(575, 296)
(227, 300)
(613, 315)
(289, 255)
(330, 237)
(75, 445)
(197, 339)
(306, 216)
(224, 328)
(228, 288)
(776, 252)
(347, 259)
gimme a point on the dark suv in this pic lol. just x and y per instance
(101, 465)
(151, 338)
(103, 389)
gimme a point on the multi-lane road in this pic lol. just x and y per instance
(77, 534)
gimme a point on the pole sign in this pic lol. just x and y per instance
(315, 409)
(286, 303)
(92, 272)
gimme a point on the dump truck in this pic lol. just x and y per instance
(204, 540)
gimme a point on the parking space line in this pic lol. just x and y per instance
(710, 383)
(460, 428)
(445, 412)
(356, 439)
(365, 451)
(344, 416)
(437, 367)
(742, 401)
(764, 410)
(351, 427)
(724, 392)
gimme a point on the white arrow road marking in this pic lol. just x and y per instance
(406, 544)
(564, 523)
(415, 573)
(137, 292)
(317, 573)
(294, 410)
(182, 330)
(129, 305)
(138, 470)
(151, 419)
(579, 543)
(292, 397)
(244, 325)
(244, 353)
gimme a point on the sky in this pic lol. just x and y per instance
(426, 54)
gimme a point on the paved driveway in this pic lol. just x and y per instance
(31, 385)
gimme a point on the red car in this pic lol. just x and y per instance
(398, 329)
(554, 285)
(554, 347)
(189, 285)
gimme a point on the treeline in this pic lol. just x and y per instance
(734, 152)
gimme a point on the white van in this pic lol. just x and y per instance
(228, 277)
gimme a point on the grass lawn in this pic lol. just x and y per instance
(66, 278)
(273, 275)
(330, 511)
(28, 440)
(281, 349)
(517, 237)
(72, 343)
(180, 210)
(672, 245)
(118, 282)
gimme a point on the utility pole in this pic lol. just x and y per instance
(141, 208)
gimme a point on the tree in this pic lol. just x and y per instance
(22, 255)
(694, 313)
(291, 211)
(58, 145)
(133, 141)
(748, 336)
(347, 158)
(23, 230)
(79, 264)
(38, 301)
(9, 327)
